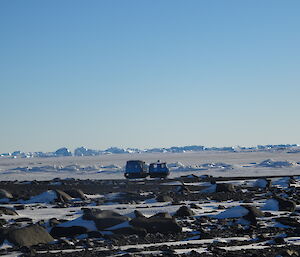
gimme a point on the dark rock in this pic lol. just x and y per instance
(285, 205)
(164, 198)
(195, 206)
(7, 211)
(29, 236)
(72, 231)
(2, 222)
(29, 251)
(194, 253)
(138, 214)
(176, 202)
(161, 215)
(3, 234)
(128, 255)
(65, 242)
(269, 183)
(182, 189)
(23, 219)
(184, 211)
(62, 196)
(279, 240)
(94, 234)
(54, 222)
(5, 194)
(263, 237)
(268, 214)
(288, 221)
(157, 224)
(76, 193)
(61, 205)
(19, 207)
(130, 231)
(292, 180)
(253, 214)
(254, 211)
(225, 187)
(104, 218)
(40, 222)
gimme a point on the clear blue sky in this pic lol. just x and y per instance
(134, 73)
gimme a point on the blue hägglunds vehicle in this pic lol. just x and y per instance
(136, 169)
(158, 170)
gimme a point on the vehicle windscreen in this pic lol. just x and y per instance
(161, 167)
(133, 167)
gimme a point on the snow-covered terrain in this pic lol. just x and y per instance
(214, 163)
(214, 199)
(225, 223)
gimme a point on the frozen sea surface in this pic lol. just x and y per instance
(111, 166)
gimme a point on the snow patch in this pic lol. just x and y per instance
(261, 183)
(46, 197)
(234, 212)
(269, 163)
(88, 224)
(271, 205)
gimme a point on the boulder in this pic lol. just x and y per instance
(5, 194)
(292, 180)
(161, 215)
(130, 231)
(2, 222)
(94, 234)
(138, 214)
(156, 224)
(184, 211)
(195, 206)
(164, 198)
(182, 189)
(252, 214)
(3, 234)
(23, 219)
(292, 222)
(76, 193)
(285, 204)
(62, 196)
(72, 231)
(104, 218)
(7, 211)
(19, 207)
(254, 211)
(225, 187)
(279, 240)
(53, 222)
(29, 236)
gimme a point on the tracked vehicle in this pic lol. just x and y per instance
(136, 169)
(158, 170)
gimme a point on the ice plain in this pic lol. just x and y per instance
(111, 166)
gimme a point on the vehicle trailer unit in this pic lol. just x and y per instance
(158, 170)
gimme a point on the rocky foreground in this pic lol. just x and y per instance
(187, 216)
